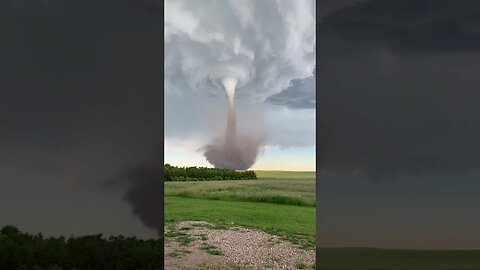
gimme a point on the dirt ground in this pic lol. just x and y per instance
(200, 245)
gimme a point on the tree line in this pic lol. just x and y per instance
(174, 173)
(23, 251)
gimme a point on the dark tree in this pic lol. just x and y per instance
(22, 251)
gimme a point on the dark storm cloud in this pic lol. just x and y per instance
(383, 113)
(423, 25)
(300, 95)
(325, 7)
(152, 5)
(144, 191)
(81, 92)
(70, 76)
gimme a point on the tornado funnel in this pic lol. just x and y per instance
(236, 151)
(230, 84)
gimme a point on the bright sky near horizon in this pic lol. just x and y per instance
(272, 158)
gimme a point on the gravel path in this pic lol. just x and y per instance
(252, 249)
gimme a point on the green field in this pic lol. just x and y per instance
(267, 216)
(279, 202)
(394, 259)
(285, 174)
(297, 191)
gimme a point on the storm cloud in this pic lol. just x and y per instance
(262, 44)
(299, 95)
(81, 98)
(426, 26)
(398, 87)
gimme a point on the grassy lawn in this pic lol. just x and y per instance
(384, 259)
(265, 216)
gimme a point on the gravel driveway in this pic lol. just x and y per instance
(192, 244)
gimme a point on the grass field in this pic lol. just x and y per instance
(285, 175)
(278, 202)
(384, 259)
(278, 191)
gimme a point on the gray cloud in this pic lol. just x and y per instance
(81, 91)
(326, 7)
(264, 44)
(410, 26)
(397, 99)
(299, 95)
(385, 114)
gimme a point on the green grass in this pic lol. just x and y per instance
(229, 266)
(266, 216)
(203, 237)
(217, 226)
(391, 259)
(286, 174)
(179, 253)
(293, 223)
(184, 239)
(280, 191)
(211, 249)
(181, 235)
(300, 265)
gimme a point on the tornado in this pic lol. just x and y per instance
(235, 151)
(229, 84)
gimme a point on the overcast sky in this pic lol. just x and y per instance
(398, 124)
(80, 86)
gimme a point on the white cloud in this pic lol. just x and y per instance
(264, 44)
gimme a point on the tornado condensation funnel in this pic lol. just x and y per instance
(230, 84)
